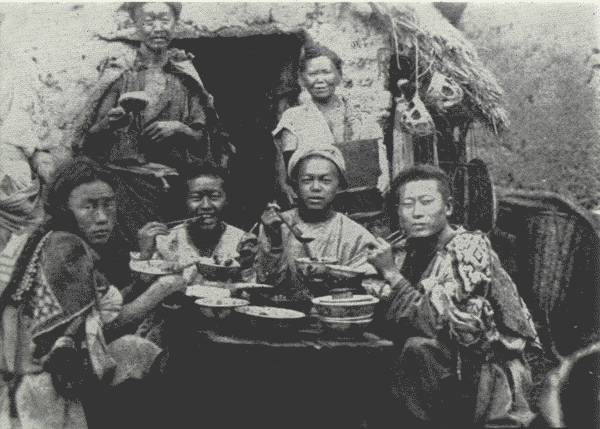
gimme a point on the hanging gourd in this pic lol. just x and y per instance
(416, 119)
(443, 92)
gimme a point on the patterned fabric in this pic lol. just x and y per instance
(459, 322)
(8, 258)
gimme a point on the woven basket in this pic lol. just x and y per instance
(551, 249)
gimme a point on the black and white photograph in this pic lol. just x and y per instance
(293, 215)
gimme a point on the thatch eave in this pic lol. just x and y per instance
(442, 47)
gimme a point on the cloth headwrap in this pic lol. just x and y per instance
(331, 153)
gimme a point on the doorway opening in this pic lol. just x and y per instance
(250, 78)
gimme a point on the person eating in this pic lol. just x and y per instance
(205, 233)
(59, 308)
(317, 173)
(457, 313)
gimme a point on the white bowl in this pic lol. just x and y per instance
(219, 307)
(203, 291)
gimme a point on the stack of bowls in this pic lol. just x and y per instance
(345, 313)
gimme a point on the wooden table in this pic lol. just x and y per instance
(309, 381)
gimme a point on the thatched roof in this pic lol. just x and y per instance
(444, 48)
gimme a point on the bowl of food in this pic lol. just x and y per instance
(154, 266)
(134, 101)
(219, 308)
(204, 291)
(346, 325)
(308, 267)
(355, 306)
(344, 277)
(271, 320)
(217, 268)
(284, 301)
(256, 293)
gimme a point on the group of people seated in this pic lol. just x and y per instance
(458, 315)
(73, 315)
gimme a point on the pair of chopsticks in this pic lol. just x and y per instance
(361, 257)
(180, 221)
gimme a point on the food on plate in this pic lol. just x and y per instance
(271, 312)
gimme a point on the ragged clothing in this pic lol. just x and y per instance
(182, 99)
(312, 128)
(338, 238)
(59, 302)
(466, 322)
(146, 173)
(308, 124)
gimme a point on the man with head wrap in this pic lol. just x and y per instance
(317, 173)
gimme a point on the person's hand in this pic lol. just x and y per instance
(118, 118)
(247, 249)
(270, 219)
(378, 288)
(147, 238)
(159, 131)
(382, 258)
(288, 194)
(43, 164)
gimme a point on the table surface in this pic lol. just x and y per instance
(312, 336)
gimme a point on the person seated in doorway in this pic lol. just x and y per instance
(147, 120)
(323, 117)
(458, 314)
(316, 174)
(59, 310)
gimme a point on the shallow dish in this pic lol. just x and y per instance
(156, 267)
(267, 320)
(203, 291)
(356, 306)
(219, 308)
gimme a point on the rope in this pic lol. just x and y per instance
(416, 65)
(395, 36)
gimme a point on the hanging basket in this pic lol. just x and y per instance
(416, 119)
(443, 92)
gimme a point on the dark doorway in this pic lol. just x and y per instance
(249, 77)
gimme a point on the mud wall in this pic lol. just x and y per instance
(50, 52)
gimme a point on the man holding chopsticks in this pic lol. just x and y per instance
(462, 321)
(313, 229)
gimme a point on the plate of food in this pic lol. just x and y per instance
(216, 267)
(156, 267)
(270, 319)
(206, 291)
